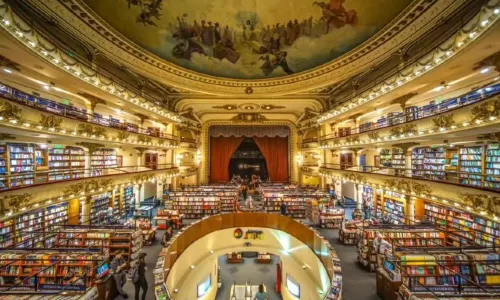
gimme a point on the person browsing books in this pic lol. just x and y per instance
(117, 266)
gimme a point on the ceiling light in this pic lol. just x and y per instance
(192, 267)
(46, 87)
(6, 22)
(483, 23)
(472, 34)
(32, 44)
(7, 70)
(485, 70)
(460, 44)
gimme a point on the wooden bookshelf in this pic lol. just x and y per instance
(51, 267)
(234, 258)
(21, 162)
(463, 228)
(471, 162)
(492, 166)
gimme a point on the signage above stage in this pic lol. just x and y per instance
(250, 234)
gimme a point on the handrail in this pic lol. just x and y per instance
(420, 113)
(298, 230)
(54, 107)
(31, 179)
(444, 176)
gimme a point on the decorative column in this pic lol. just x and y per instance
(410, 209)
(87, 204)
(358, 212)
(93, 101)
(140, 161)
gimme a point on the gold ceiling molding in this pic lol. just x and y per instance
(6, 136)
(399, 32)
(91, 146)
(373, 135)
(9, 64)
(141, 150)
(403, 130)
(271, 106)
(408, 186)
(226, 107)
(10, 111)
(443, 121)
(50, 122)
(92, 130)
(460, 39)
(490, 61)
(88, 186)
(144, 139)
(405, 146)
(352, 139)
(123, 135)
(354, 177)
(142, 117)
(486, 110)
(143, 177)
(355, 150)
(403, 99)
(93, 100)
(14, 202)
(250, 117)
(494, 137)
(481, 202)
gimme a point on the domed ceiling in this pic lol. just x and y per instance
(248, 39)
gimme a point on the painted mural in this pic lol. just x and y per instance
(248, 39)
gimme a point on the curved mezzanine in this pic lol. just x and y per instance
(176, 268)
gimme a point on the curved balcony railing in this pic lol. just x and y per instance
(319, 245)
(81, 115)
(31, 179)
(475, 180)
(419, 113)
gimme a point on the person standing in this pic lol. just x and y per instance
(141, 280)
(261, 295)
(244, 192)
(283, 208)
(118, 265)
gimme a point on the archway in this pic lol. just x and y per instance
(248, 160)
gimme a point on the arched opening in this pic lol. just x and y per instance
(248, 160)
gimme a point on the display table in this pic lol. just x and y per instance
(149, 235)
(234, 258)
(165, 216)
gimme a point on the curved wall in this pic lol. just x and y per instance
(203, 254)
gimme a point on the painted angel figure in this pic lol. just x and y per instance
(335, 14)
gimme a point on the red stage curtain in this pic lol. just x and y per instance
(275, 150)
(221, 150)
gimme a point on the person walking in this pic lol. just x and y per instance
(261, 295)
(117, 266)
(244, 192)
(141, 278)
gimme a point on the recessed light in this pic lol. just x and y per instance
(7, 70)
(485, 70)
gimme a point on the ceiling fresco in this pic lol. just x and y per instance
(248, 39)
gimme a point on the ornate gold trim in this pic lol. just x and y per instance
(50, 122)
(88, 186)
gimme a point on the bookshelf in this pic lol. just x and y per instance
(52, 268)
(128, 197)
(417, 162)
(116, 204)
(100, 204)
(55, 216)
(470, 161)
(21, 160)
(331, 217)
(227, 200)
(394, 207)
(492, 170)
(398, 159)
(434, 163)
(102, 159)
(6, 233)
(486, 273)
(386, 157)
(3, 167)
(379, 204)
(375, 242)
(348, 233)
(128, 240)
(194, 206)
(451, 159)
(29, 229)
(41, 158)
(463, 228)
